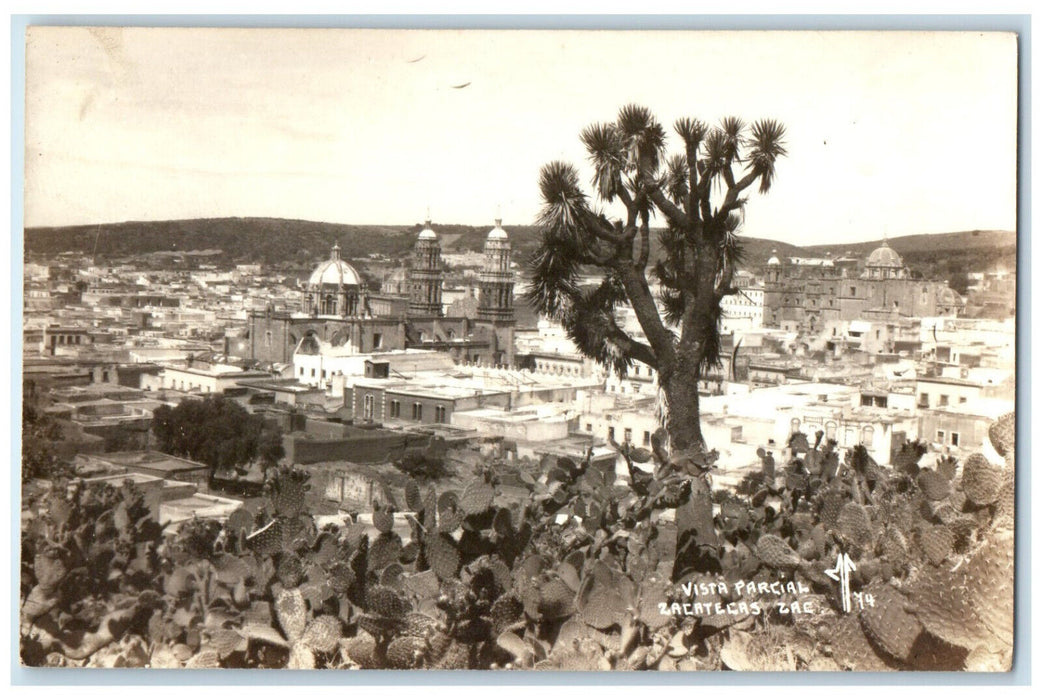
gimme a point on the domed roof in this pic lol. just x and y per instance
(497, 233)
(948, 296)
(884, 256)
(335, 271)
(774, 258)
(428, 233)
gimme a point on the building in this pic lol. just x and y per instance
(956, 387)
(768, 416)
(805, 294)
(338, 308)
(963, 427)
(743, 310)
(437, 395)
(195, 376)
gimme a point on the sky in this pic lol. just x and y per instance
(888, 134)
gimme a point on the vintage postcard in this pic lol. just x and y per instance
(519, 350)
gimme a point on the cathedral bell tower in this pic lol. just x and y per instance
(425, 275)
(496, 299)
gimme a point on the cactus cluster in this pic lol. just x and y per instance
(582, 574)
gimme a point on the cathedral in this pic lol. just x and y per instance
(338, 310)
(809, 294)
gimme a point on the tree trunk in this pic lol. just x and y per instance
(681, 392)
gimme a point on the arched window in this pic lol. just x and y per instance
(794, 425)
(867, 435)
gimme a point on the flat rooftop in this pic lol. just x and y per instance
(155, 461)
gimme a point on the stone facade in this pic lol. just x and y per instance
(806, 294)
(338, 309)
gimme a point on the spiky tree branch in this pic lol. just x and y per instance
(700, 247)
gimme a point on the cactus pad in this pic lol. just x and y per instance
(286, 492)
(477, 498)
(291, 612)
(383, 521)
(776, 552)
(384, 550)
(406, 652)
(831, 506)
(322, 634)
(556, 600)
(854, 527)
(443, 556)
(888, 625)
(981, 481)
(937, 542)
(1002, 434)
(934, 485)
(386, 602)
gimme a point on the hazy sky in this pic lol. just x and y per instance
(888, 133)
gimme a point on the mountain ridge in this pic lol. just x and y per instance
(299, 241)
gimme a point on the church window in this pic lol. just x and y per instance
(417, 411)
(867, 435)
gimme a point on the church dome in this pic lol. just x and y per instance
(947, 296)
(884, 256)
(497, 233)
(428, 234)
(774, 258)
(335, 272)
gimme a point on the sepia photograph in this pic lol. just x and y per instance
(518, 350)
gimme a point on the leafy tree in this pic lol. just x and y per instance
(39, 433)
(217, 432)
(417, 463)
(701, 197)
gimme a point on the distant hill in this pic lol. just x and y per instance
(291, 242)
(270, 241)
(926, 243)
(944, 256)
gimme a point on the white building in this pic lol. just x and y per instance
(743, 310)
(199, 377)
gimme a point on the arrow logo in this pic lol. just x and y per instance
(841, 573)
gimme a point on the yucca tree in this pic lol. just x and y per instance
(699, 195)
